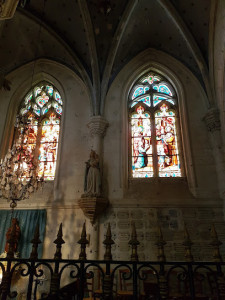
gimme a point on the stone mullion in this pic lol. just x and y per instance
(153, 138)
(38, 142)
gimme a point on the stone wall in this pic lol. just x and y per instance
(198, 221)
(170, 202)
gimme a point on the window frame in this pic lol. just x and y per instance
(40, 119)
(152, 110)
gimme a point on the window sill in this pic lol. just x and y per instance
(156, 180)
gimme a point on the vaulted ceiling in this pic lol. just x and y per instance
(96, 45)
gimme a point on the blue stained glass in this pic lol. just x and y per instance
(155, 102)
(42, 100)
(45, 122)
(44, 110)
(59, 110)
(37, 111)
(171, 101)
(146, 89)
(50, 90)
(155, 87)
(139, 91)
(145, 100)
(164, 89)
(58, 98)
(135, 102)
(158, 99)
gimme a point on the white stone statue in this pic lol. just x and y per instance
(92, 181)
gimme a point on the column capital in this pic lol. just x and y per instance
(98, 126)
(212, 119)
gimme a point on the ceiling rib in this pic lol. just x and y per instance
(212, 22)
(93, 54)
(192, 45)
(114, 47)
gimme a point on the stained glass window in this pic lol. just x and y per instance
(153, 118)
(38, 127)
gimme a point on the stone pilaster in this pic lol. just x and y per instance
(213, 124)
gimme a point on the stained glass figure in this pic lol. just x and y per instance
(154, 141)
(48, 147)
(166, 140)
(27, 139)
(40, 120)
(141, 143)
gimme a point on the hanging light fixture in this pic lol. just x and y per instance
(19, 169)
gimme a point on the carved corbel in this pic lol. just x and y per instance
(212, 120)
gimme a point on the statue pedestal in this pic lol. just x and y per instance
(92, 206)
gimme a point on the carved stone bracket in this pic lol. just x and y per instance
(92, 207)
(7, 8)
(212, 120)
(98, 126)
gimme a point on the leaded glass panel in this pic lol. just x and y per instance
(48, 147)
(40, 115)
(141, 143)
(166, 140)
(154, 140)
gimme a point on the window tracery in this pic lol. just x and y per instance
(153, 114)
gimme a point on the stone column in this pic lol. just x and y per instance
(93, 206)
(212, 120)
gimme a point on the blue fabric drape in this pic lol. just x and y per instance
(28, 220)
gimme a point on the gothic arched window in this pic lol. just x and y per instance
(38, 123)
(153, 114)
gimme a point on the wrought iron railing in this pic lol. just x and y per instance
(109, 279)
